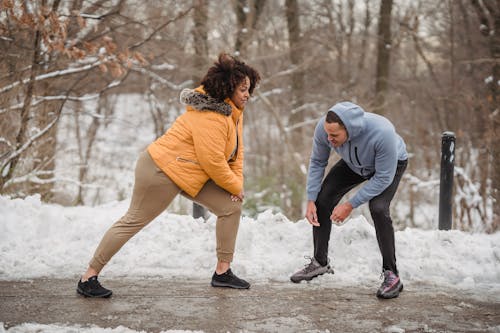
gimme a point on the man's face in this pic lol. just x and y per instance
(337, 135)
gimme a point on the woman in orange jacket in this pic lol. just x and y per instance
(199, 157)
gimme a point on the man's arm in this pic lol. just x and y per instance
(386, 160)
(318, 162)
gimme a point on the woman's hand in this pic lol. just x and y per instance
(238, 197)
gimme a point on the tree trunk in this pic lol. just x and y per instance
(364, 40)
(241, 20)
(44, 150)
(200, 38)
(489, 17)
(24, 117)
(296, 187)
(247, 16)
(383, 56)
(494, 131)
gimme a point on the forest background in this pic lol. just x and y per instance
(86, 85)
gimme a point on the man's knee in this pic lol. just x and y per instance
(379, 209)
(324, 203)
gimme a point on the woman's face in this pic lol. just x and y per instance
(241, 94)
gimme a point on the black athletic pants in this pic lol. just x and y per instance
(340, 180)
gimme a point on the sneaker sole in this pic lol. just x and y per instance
(330, 271)
(393, 294)
(83, 293)
(217, 284)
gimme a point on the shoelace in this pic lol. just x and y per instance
(310, 266)
(388, 279)
(94, 284)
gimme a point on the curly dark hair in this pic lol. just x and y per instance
(226, 74)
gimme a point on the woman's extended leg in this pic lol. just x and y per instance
(153, 192)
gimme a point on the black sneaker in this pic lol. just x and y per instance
(229, 280)
(391, 287)
(92, 288)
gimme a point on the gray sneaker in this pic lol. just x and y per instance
(310, 271)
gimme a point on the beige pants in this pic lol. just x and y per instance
(153, 192)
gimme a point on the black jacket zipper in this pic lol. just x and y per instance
(356, 154)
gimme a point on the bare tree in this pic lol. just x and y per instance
(488, 13)
(200, 60)
(247, 16)
(440, 68)
(383, 55)
(296, 49)
(66, 51)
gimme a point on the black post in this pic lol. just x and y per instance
(446, 181)
(198, 210)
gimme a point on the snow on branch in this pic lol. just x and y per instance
(469, 191)
(51, 75)
(7, 142)
(28, 143)
(301, 124)
(417, 183)
(40, 99)
(158, 78)
(286, 72)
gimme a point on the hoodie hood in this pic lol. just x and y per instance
(352, 116)
(199, 100)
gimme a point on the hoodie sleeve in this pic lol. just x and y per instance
(386, 160)
(318, 162)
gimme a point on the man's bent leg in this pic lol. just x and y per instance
(340, 180)
(380, 212)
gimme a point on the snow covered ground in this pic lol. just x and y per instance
(44, 240)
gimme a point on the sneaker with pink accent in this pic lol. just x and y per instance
(391, 287)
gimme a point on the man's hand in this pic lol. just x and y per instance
(311, 213)
(341, 212)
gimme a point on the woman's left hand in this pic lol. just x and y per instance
(238, 197)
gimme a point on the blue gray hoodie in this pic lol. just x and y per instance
(372, 150)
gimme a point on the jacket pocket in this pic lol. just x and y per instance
(185, 160)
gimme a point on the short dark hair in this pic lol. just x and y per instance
(226, 74)
(332, 117)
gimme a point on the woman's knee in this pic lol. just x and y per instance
(228, 208)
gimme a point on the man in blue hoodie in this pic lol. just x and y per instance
(371, 152)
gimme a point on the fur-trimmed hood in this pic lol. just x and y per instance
(204, 102)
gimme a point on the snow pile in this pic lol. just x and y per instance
(42, 240)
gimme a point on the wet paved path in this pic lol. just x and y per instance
(153, 305)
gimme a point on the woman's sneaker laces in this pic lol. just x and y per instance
(92, 288)
(229, 280)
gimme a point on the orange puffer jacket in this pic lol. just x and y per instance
(206, 142)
